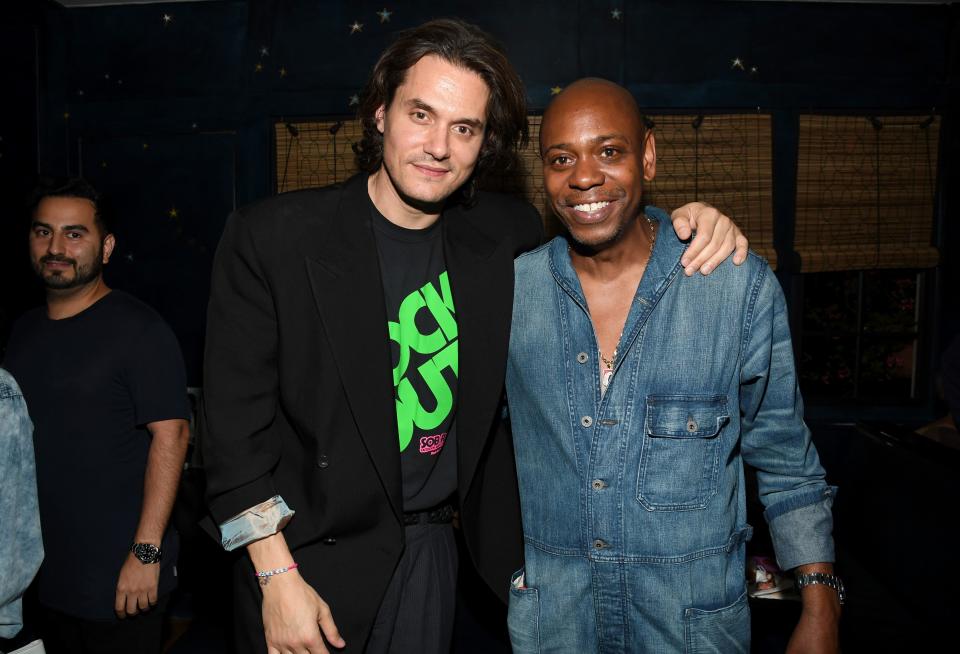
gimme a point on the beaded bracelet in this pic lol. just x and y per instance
(276, 571)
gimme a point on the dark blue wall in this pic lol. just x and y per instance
(176, 115)
(19, 44)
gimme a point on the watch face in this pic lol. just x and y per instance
(146, 552)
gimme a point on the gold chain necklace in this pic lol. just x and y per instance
(606, 375)
(609, 362)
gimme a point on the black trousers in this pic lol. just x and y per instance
(418, 609)
(417, 612)
(139, 634)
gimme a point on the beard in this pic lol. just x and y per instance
(82, 274)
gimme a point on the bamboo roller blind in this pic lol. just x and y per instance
(723, 159)
(865, 192)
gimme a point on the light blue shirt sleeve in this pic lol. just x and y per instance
(260, 521)
(21, 547)
(776, 440)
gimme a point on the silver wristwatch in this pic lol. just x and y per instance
(831, 581)
(146, 553)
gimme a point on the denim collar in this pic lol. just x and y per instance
(662, 268)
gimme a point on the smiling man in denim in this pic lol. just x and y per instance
(636, 393)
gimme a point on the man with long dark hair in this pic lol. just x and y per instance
(355, 362)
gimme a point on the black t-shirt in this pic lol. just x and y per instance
(92, 382)
(422, 324)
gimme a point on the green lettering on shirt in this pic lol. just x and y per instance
(441, 343)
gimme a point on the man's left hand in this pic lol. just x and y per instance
(716, 237)
(136, 587)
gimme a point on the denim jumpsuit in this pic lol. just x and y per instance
(633, 502)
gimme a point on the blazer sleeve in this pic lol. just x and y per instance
(241, 378)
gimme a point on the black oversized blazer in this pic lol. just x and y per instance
(299, 398)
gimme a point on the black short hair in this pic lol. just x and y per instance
(466, 46)
(71, 187)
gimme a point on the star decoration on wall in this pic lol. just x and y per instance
(146, 146)
(167, 19)
(264, 51)
(616, 14)
(354, 100)
(754, 70)
(173, 213)
(106, 76)
(282, 72)
(194, 126)
(357, 26)
(737, 63)
(384, 15)
(258, 67)
(556, 90)
(129, 257)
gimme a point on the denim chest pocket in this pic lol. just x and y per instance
(679, 459)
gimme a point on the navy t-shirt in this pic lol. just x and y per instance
(92, 382)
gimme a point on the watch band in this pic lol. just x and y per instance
(831, 581)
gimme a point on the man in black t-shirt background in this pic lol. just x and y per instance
(104, 381)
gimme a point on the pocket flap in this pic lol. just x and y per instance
(686, 416)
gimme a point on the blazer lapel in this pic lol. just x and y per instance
(481, 276)
(345, 279)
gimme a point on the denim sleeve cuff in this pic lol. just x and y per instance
(10, 618)
(801, 528)
(260, 521)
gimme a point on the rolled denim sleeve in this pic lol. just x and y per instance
(775, 440)
(21, 547)
(260, 521)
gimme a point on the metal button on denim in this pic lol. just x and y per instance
(691, 425)
(598, 484)
(599, 544)
(323, 462)
(582, 357)
(586, 421)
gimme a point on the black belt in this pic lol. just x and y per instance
(438, 515)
